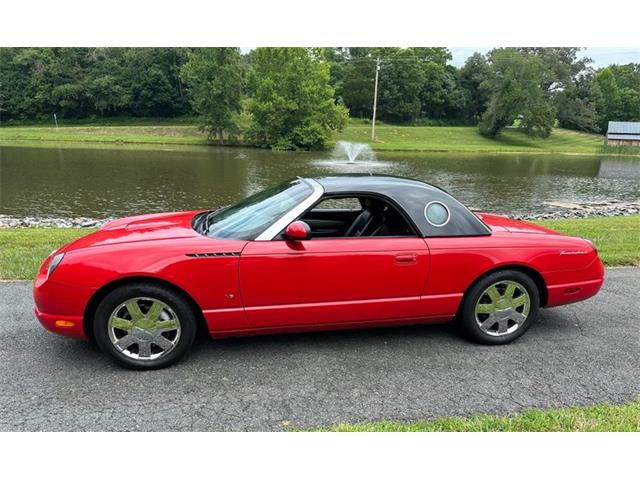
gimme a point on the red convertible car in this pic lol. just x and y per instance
(309, 254)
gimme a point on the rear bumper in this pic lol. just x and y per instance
(573, 292)
(583, 284)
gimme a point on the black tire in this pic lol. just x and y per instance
(468, 322)
(186, 318)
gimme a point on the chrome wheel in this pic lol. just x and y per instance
(502, 308)
(144, 328)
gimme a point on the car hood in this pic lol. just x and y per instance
(499, 223)
(157, 226)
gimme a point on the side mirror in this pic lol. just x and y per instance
(298, 230)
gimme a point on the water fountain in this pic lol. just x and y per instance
(351, 151)
(351, 157)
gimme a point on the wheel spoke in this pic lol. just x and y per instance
(517, 317)
(519, 301)
(125, 342)
(134, 310)
(485, 308)
(121, 323)
(162, 342)
(165, 325)
(488, 323)
(503, 325)
(144, 348)
(511, 289)
(154, 311)
(493, 294)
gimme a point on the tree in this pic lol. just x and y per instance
(401, 80)
(619, 88)
(292, 103)
(214, 85)
(441, 96)
(358, 82)
(515, 92)
(475, 71)
(576, 104)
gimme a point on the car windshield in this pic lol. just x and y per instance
(249, 218)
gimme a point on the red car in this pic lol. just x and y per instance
(310, 254)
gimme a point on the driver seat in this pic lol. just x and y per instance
(364, 220)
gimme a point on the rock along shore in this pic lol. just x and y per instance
(553, 210)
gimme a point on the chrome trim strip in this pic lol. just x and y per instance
(294, 213)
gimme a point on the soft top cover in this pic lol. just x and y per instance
(412, 196)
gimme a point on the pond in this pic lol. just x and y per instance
(116, 181)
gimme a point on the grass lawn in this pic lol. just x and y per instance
(389, 137)
(597, 418)
(22, 250)
(468, 139)
(617, 238)
(160, 134)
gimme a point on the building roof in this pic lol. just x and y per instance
(623, 128)
(622, 136)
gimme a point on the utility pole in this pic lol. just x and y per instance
(375, 101)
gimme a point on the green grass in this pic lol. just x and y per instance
(388, 137)
(468, 139)
(617, 238)
(148, 134)
(603, 417)
(22, 250)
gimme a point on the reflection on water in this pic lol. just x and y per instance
(123, 181)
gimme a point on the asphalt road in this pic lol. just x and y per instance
(574, 355)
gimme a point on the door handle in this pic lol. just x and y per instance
(406, 258)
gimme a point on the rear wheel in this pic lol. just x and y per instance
(144, 326)
(500, 307)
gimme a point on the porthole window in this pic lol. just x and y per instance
(437, 214)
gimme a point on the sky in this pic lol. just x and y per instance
(601, 56)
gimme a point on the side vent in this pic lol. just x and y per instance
(214, 254)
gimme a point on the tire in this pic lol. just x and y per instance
(496, 317)
(144, 326)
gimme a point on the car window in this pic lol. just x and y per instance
(356, 216)
(250, 217)
(351, 203)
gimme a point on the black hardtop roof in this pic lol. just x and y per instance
(337, 183)
(413, 196)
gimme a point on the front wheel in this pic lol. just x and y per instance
(500, 307)
(144, 326)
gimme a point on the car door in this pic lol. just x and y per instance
(332, 280)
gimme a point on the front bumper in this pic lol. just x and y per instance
(60, 307)
(67, 325)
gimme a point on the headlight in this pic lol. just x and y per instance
(54, 263)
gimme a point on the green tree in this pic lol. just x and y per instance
(515, 92)
(214, 82)
(475, 71)
(619, 88)
(401, 80)
(358, 82)
(292, 102)
(576, 104)
(442, 96)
